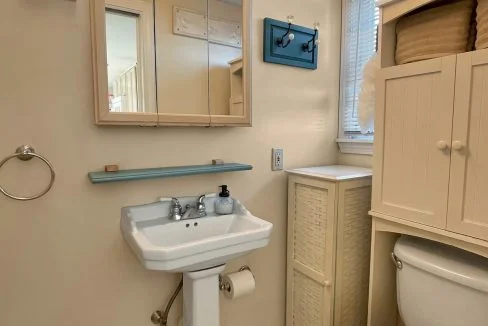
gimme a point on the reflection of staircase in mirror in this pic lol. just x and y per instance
(125, 92)
(236, 101)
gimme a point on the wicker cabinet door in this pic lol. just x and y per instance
(310, 272)
(353, 253)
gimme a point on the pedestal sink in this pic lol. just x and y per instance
(199, 248)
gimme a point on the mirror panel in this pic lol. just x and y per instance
(124, 73)
(182, 59)
(226, 57)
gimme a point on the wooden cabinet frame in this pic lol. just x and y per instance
(147, 54)
(382, 310)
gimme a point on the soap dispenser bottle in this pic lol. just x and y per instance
(224, 204)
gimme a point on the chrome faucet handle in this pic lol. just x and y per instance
(200, 206)
(175, 202)
(176, 209)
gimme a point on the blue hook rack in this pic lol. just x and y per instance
(288, 44)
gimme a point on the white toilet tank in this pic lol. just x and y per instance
(439, 285)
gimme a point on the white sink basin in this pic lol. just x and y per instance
(191, 245)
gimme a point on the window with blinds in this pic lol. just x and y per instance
(360, 21)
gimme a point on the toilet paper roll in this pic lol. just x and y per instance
(239, 284)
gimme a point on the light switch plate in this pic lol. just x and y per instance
(277, 159)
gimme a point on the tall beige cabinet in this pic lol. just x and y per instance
(329, 234)
(430, 154)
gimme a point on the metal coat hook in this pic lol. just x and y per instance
(288, 35)
(314, 42)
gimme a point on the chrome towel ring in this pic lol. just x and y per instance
(26, 153)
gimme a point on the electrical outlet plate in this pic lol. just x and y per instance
(277, 159)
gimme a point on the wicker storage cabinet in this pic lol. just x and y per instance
(435, 32)
(329, 234)
(482, 24)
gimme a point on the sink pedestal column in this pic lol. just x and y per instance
(201, 304)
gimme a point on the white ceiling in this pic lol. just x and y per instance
(121, 43)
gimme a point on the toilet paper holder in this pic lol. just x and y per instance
(224, 286)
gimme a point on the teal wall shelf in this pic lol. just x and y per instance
(166, 172)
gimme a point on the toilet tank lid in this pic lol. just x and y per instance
(448, 262)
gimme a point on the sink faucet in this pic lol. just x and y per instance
(197, 211)
(191, 212)
(175, 211)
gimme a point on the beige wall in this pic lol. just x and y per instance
(358, 160)
(63, 261)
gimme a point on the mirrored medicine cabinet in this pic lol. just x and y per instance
(172, 62)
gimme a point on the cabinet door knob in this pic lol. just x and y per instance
(442, 145)
(327, 284)
(457, 145)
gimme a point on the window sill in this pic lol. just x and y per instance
(356, 146)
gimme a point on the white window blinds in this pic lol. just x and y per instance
(360, 21)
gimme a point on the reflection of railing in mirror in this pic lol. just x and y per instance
(124, 96)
